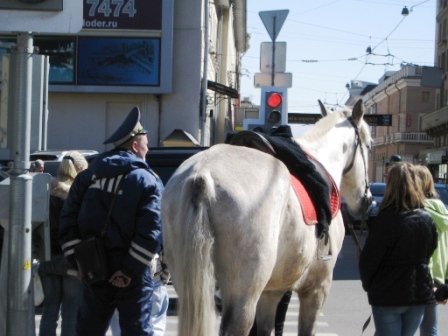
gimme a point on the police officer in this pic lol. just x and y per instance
(133, 235)
(393, 159)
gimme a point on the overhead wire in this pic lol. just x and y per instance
(368, 56)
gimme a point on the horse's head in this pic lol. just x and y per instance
(340, 141)
(355, 180)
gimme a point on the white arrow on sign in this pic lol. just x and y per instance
(273, 21)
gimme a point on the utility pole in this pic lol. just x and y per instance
(273, 49)
(205, 73)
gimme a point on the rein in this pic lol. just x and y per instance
(350, 225)
(367, 185)
(352, 162)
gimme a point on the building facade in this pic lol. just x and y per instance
(401, 95)
(435, 124)
(160, 64)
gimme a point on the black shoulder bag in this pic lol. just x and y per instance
(90, 254)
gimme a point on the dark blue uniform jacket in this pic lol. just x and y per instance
(134, 230)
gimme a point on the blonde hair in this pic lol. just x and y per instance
(427, 182)
(403, 189)
(72, 163)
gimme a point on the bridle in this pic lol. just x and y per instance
(358, 143)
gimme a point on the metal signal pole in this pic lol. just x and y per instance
(20, 226)
(274, 34)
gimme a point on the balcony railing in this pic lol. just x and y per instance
(416, 137)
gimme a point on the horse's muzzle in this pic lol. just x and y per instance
(366, 202)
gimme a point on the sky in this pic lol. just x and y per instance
(327, 42)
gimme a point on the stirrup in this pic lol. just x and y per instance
(323, 257)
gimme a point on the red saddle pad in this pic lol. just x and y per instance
(308, 208)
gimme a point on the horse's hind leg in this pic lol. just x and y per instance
(312, 297)
(237, 317)
(266, 312)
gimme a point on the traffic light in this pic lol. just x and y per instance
(33, 5)
(273, 110)
(275, 113)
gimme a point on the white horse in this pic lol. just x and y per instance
(230, 217)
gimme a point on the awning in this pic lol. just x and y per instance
(180, 138)
(221, 88)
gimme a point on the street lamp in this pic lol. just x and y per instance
(405, 11)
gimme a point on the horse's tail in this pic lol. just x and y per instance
(195, 281)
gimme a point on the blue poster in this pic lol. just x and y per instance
(118, 61)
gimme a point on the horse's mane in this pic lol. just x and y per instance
(325, 124)
(328, 122)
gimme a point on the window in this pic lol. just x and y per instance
(444, 29)
(61, 51)
(426, 96)
(443, 61)
(5, 48)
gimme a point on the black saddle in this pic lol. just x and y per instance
(281, 144)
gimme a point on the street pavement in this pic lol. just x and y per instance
(344, 313)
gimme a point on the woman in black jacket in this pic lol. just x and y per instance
(394, 263)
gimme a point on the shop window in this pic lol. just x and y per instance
(101, 61)
(442, 173)
(61, 51)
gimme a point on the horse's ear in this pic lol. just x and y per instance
(358, 112)
(323, 109)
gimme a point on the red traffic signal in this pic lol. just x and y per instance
(273, 110)
(274, 100)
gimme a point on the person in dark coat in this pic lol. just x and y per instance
(133, 234)
(394, 262)
(61, 287)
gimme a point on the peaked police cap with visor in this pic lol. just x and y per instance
(128, 129)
